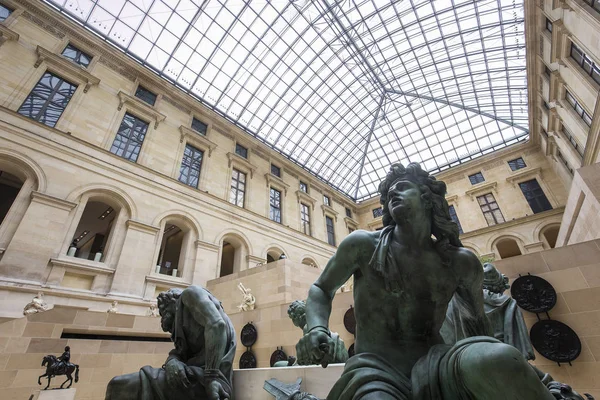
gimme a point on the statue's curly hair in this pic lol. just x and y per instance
(433, 192)
(296, 307)
(169, 296)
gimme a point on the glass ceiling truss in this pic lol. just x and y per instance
(343, 88)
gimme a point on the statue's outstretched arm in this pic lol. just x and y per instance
(470, 294)
(206, 313)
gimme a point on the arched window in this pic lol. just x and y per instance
(171, 246)
(10, 185)
(508, 247)
(310, 262)
(176, 256)
(550, 235)
(274, 254)
(93, 231)
(234, 252)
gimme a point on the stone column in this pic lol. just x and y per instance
(136, 260)
(207, 260)
(37, 239)
(16, 212)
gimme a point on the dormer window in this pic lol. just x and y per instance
(199, 126)
(275, 170)
(241, 150)
(77, 56)
(303, 187)
(145, 95)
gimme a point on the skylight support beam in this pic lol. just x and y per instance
(371, 129)
(462, 107)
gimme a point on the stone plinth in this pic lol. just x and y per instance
(248, 383)
(55, 394)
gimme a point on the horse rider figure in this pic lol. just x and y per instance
(64, 359)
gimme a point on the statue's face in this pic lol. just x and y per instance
(299, 319)
(167, 315)
(404, 197)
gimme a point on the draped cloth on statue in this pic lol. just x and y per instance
(436, 376)
(153, 381)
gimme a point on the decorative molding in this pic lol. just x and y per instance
(7, 34)
(49, 25)
(290, 172)
(82, 264)
(329, 210)
(142, 227)
(163, 279)
(375, 223)
(52, 201)
(256, 259)
(523, 175)
(65, 68)
(276, 182)
(351, 223)
(452, 199)
(260, 154)
(234, 159)
(202, 141)
(305, 197)
(201, 244)
(140, 108)
(482, 188)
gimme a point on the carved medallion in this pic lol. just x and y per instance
(555, 341)
(248, 335)
(351, 350)
(533, 294)
(247, 360)
(278, 355)
(350, 321)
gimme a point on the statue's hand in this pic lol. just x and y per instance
(215, 391)
(176, 375)
(315, 347)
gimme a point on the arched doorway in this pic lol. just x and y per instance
(176, 256)
(234, 252)
(310, 262)
(550, 235)
(93, 231)
(10, 185)
(507, 248)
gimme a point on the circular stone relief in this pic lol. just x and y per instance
(247, 360)
(278, 355)
(350, 320)
(555, 341)
(533, 294)
(248, 335)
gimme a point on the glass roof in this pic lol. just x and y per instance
(342, 88)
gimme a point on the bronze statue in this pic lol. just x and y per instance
(404, 277)
(59, 366)
(200, 365)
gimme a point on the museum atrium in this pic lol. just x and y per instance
(150, 144)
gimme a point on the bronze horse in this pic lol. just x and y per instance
(55, 367)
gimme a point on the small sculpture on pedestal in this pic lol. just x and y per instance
(59, 366)
(113, 308)
(248, 301)
(153, 311)
(38, 304)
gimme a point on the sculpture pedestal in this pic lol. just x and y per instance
(54, 394)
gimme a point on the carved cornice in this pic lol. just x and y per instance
(52, 201)
(239, 161)
(452, 199)
(140, 108)
(80, 264)
(65, 68)
(201, 244)
(351, 223)
(142, 227)
(194, 137)
(163, 279)
(276, 182)
(255, 259)
(524, 174)
(482, 188)
(329, 210)
(7, 34)
(302, 196)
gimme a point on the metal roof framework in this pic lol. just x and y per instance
(342, 88)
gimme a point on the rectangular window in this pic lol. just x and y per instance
(130, 137)
(585, 62)
(535, 196)
(548, 25)
(77, 56)
(573, 142)
(595, 4)
(275, 205)
(303, 187)
(564, 161)
(241, 150)
(145, 95)
(48, 99)
(238, 188)
(4, 12)
(490, 209)
(330, 230)
(199, 126)
(455, 218)
(578, 109)
(348, 212)
(326, 201)
(190, 166)
(476, 178)
(305, 218)
(516, 164)
(275, 170)
(377, 212)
